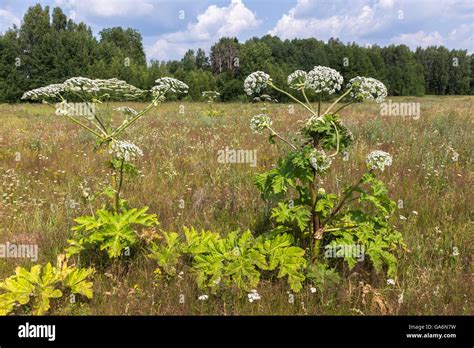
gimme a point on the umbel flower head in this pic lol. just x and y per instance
(125, 150)
(100, 88)
(45, 93)
(378, 160)
(259, 122)
(319, 161)
(297, 79)
(169, 84)
(367, 88)
(324, 79)
(256, 82)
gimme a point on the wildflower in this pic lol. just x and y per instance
(367, 88)
(323, 79)
(312, 289)
(455, 251)
(210, 94)
(100, 88)
(297, 79)
(125, 150)
(43, 93)
(169, 84)
(390, 281)
(402, 217)
(259, 122)
(256, 82)
(203, 297)
(319, 161)
(414, 212)
(378, 160)
(253, 296)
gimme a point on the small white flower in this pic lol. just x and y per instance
(256, 82)
(169, 84)
(367, 88)
(414, 212)
(297, 79)
(455, 251)
(402, 217)
(323, 79)
(390, 281)
(253, 296)
(203, 297)
(378, 160)
(312, 289)
(44, 93)
(259, 122)
(319, 161)
(125, 150)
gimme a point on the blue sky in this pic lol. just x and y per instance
(169, 28)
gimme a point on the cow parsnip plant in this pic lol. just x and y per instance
(111, 229)
(96, 117)
(32, 291)
(359, 216)
(211, 97)
(239, 259)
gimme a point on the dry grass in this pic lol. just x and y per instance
(180, 163)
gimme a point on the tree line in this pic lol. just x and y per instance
(49, 48)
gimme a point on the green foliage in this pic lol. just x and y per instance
(322, 276)
(322, 130)
(35, 289)
(109, 231)
(358, 218)
(237, 259)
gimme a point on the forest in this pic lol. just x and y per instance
(48, 48)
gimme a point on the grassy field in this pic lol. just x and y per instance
(47, 162)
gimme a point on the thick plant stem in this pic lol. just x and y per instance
(133, 120)
(319, 104)
(341, 203)
(337, 101)
(306, 99)
(117, 194)
(282, 139)
(343, 106)
(289, 95)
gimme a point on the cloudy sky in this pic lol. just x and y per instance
(169, 28)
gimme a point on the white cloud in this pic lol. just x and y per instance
(361, 20)
(211, 25)
(108, 8)
(463, 37)
(7, 20)
(420, 38)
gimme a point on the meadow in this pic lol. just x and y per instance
(48, 168)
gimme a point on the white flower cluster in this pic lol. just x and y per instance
(211, 94)
(367, 88)
(259, 122)
(169, 84)
(378, 160)
(324, 79)
(125, 150)
(253, 296)
(203, 297)
(319, 161)
(297, 79)
(48, 92)
(256, 82)
(114, 88)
